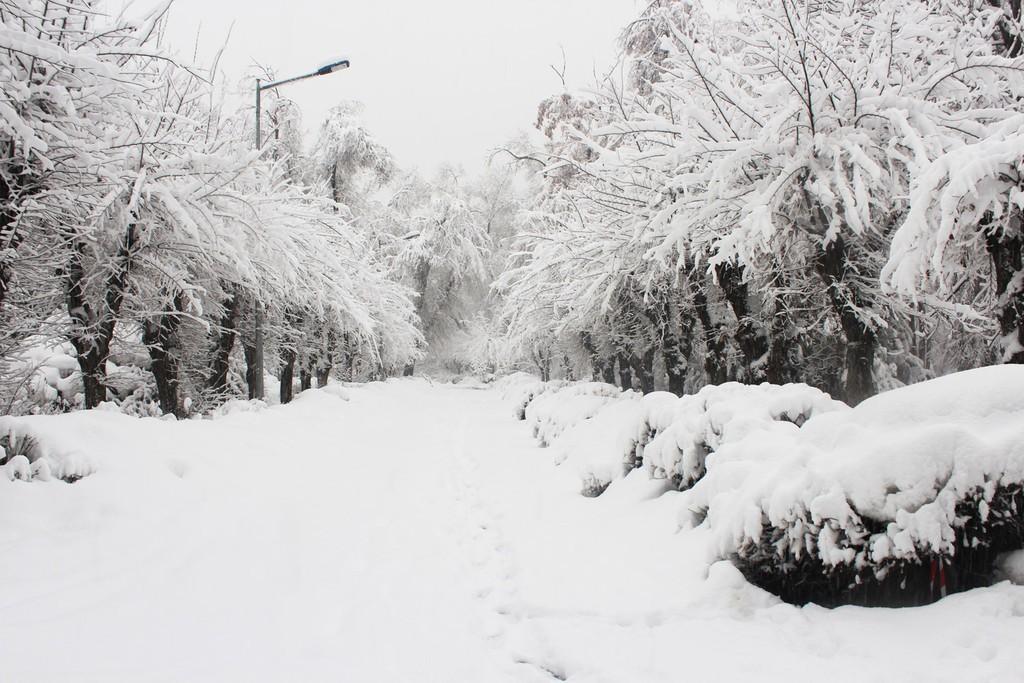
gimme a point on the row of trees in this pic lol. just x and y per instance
(825, 191)
(134, 213)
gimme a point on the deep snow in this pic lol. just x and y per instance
(412, 533)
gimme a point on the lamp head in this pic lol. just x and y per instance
(330, 68)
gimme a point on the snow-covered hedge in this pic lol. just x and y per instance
(693, 427)
(909, 495)
(560, 406)
(609, 432)
(27, 454)
(912, 494)
(606, 447)
(521, 389)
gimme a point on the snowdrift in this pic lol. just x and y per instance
(913, 494)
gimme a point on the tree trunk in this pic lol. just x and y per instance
(715, 366)
(543, 362)
(1005, 251)
(287, 375)
(643, 369)
(778, 368)
(596, 363)
(305, 378)
(250, 369)
(223, 345)
(93, 378)
(647, 370)
(92, 331)
(625, 371)
(861, 342)
(603, 366)
(325, 360)
(750, 336)
(25, 184)
(677, 346)
(608, 370)
(676, 342)
(158, 336)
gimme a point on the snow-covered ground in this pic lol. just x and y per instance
(414, 532)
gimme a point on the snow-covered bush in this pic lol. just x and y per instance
(26, 455)
(42, 377)
(908, 496)
(610, 444)
(562, 405)
(604, 433)
(692, 427)
(523, 393)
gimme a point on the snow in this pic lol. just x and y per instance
(417, 531)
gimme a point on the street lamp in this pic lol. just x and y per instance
(256, 389)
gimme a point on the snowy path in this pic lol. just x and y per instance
(414, 533)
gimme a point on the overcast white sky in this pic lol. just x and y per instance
(442, 80)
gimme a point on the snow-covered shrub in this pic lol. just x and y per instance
(237, 405)
(912, 494)
(562, 405)
(694, 426)
(610, 444)
(42, 377)
(24, 456)
(522, 394)
(131, 387)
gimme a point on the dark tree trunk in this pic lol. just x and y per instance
(603, 366)
(625, 371)
(409, 370)
(568, 372)
(715, 366)
(832, 266)
(17, 183)
(325, 360)
(608, 370)
(750, 337)
(323, 367)
(158, 336)
(92, 330)
(287, 375)
(305, 378)
(250, 369)
(777, 368)
(335, 190)
(349, 371)
(543, 362)
(1005, 251)
(676, 328)
(646, 370)
(223, 345)
(677, 346)
(596, 364)
(93, 378)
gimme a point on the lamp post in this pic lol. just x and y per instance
(256, 387)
